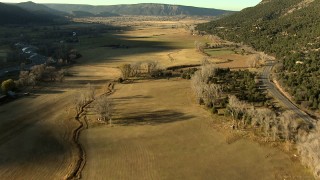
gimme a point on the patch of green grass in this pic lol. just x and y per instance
(218, 52)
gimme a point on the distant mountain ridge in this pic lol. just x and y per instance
(145, 9)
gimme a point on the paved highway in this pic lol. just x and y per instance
(279, 96)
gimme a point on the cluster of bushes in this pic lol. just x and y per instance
(31, 78)
(40, 73)
(7, 85)
(243, 83)
(186, 74)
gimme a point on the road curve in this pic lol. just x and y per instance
(279, 96)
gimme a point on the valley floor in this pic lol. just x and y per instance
(159, 131)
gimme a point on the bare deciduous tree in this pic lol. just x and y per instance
(255, 60)
(275, 131)
(32, 80)
(38, 71)
(152, 66)
(199, 46)
(210, 93)
(135, 69)
(205, 61)
(90, 92)
(50, 72)
(197, 85)
(202, 88)
(60, 75)
(125, 70)
(309, 147)
(236, 108)
(24, 78)
(104, 108)
(266, 118)
(285, 120)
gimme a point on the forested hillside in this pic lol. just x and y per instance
(288, 29)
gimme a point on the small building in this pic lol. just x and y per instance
(299, 62)
(20, 45)
(29, 49)
(37, 59)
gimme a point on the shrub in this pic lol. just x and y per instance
(156, 73)
(7, 85)
(120, 80)
(214, 110)
(126, 70)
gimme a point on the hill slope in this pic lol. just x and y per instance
(289, 29)
(39, 9)
(146, 9)
(10, 14)
(82, 14)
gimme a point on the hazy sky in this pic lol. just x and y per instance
(219, 4)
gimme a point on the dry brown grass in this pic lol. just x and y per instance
(160, 133)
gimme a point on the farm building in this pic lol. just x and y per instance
(37, 59)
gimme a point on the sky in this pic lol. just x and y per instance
(218, 4)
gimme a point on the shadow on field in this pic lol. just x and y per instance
(48, 91)
(37, 145)
(113, 45)
(124, 99)
(152, 118)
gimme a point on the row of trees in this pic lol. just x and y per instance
(284, 127)
(36, 74)
(39, 73)
(137, 69)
